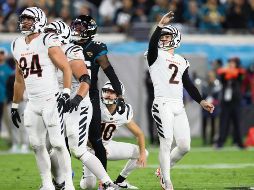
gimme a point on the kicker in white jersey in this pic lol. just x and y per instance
(39, 73)
(168, 83)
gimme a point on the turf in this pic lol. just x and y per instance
(202, 168)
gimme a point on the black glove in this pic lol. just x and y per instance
(75, 102)
(15, 117)
(120, 105)
(64, 103)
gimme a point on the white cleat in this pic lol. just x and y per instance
(162, 182)
(126, 185)
(110, 186)
(158, 174)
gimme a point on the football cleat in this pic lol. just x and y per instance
(126, 185)
(58, 186)
(158, 174)
(162, 182)
(110, 186)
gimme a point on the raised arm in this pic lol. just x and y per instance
(154, 40)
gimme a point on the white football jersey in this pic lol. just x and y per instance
(39, 73)
(166, 74)
(111, 123)
(72, 52)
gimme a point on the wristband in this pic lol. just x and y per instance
(66, 91)
(14, 105)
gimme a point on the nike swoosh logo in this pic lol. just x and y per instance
(123, 186)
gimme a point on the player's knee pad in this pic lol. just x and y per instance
(88, 182)
(57, 143)
(183, 146)
(78, 152)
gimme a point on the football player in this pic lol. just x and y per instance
(37, 57)
(83, 31)
(111, 121)
(169, 74)
(78, 119)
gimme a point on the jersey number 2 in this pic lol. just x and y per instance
(172, 79)
(34, 69)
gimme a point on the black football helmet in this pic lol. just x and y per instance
(83, 27)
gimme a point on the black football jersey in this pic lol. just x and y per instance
(93, 50)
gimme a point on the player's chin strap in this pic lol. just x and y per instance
(85, 78)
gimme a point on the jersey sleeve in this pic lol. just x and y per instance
(74, 52)
(187, 64)
(129, 112)
(101, 49)
(51, 40)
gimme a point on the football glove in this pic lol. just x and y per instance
(120, 105)
(64, 103)
(15, 115)
(75, 102)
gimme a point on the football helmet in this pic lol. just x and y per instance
(39, 20)
(176, 38)
(108, 86)
(61, 29)
(83, 27)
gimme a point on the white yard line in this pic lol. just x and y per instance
(209, 149)
(208, 166)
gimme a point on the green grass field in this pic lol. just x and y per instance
(202, 168)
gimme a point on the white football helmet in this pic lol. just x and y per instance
(39, 17)
(108, 86)
(176, 38)
(61, 29)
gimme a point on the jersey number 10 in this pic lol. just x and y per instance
(34, 69)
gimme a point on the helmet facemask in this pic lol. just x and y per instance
(106, 98)
(23, 23)
(83, 28)
(108, 87)
(34, 15)
(175, 38)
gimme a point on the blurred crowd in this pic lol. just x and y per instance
(230, 87)
(213, 16)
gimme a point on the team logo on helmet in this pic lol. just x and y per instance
(83, 27)
(32, 20)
